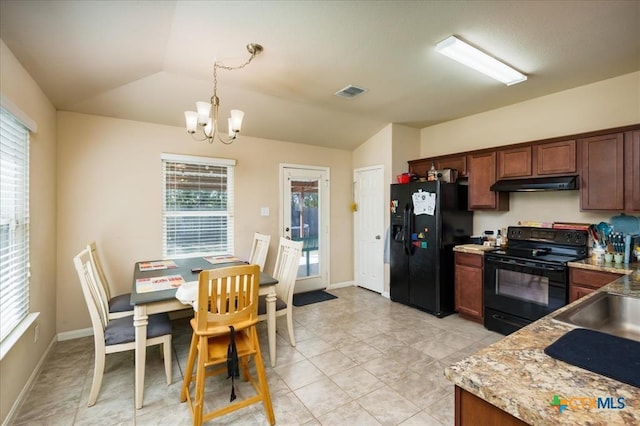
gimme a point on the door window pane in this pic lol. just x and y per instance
(304, 224)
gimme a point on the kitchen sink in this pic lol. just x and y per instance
(610, 313)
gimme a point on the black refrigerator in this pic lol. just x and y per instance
(427, 220)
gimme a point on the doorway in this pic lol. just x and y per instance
(368, 195)
(304, 216)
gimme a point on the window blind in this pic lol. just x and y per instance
(14, 222)
(198, 206)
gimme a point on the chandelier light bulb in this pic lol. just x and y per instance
(191, 118)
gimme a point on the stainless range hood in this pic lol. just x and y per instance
(555, 183)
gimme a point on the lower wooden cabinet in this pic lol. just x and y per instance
(471, 410)
(584, 281)
(468, 286)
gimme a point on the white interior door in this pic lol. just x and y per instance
(369, 227)
(305, 216)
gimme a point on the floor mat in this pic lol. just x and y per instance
(302, 299)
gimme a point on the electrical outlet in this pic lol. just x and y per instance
(36, 333)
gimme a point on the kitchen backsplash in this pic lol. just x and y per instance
(552, 206)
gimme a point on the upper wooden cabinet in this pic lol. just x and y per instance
(482, 174)
(610, 172)
(543, 159)
(458, 162)
(555, 158)
(632, 171)
(514, 162)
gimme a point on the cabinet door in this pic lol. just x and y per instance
(482, 174)
(514, 162)
(555, 158)
(459, 163)
(576, 292)
(602, 172)
(592, 279)
(468, 289)
(420, 167)
(632, 171)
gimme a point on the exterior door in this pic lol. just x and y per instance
(305, 217)
(369, 227)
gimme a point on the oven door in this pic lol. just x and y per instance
(523, 290)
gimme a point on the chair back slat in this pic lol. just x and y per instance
(259, 250)
(97, 264)
(98, 311)
(231, 296)
(286, 269)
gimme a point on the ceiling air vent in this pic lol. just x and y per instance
(350, 91)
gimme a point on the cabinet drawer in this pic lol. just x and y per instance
(468, 259)
(591, 279)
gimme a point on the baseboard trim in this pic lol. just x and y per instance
(75, 334)
(27, 386)
(341, 285)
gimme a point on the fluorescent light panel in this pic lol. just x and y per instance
(468, 55)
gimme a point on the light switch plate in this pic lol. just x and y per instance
(264, 211)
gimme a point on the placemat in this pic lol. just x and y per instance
(610, 356)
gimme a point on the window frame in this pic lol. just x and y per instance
(16, 317)
(167, 213)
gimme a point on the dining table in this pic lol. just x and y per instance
(154, 288)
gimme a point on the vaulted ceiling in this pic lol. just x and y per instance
(151, 60)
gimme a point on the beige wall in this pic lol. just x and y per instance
(390, 147)
(606, 104)
(16, 367)
(109, 190)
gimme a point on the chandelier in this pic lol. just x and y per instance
(203, 124)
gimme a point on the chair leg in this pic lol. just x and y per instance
(98, 371)
(166, 349)
(198, 404)
(188, 374)
(264, 387)
(244, 367)
(292, 338)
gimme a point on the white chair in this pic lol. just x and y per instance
(259, 250)
(285, 271)
(120, 305)
(115, 335)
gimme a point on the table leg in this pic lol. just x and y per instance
(271, 324)
(140, 324)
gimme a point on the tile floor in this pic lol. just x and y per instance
(360, 359)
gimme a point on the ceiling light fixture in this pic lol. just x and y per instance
(468, 55)
(205, 120)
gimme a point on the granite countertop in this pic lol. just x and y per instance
(473, 249)
(616, 268)
(515, 375)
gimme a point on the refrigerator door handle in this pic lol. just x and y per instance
(405, 229)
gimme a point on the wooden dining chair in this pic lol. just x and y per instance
(259, 250)
(227, 297)
(120, 305)
(112, 335)
(285, 271)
